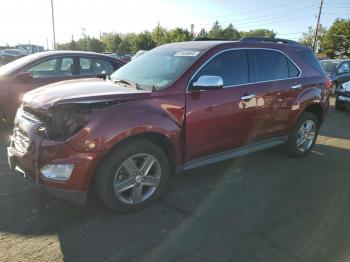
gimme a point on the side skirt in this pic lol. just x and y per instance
(241, 151)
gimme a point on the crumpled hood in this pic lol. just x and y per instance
(80, 91)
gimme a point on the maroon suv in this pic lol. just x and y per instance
(177, 107)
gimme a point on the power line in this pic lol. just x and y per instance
(271, 16)
(259, 10)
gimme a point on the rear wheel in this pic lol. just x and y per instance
(132, 176)
(303, 136)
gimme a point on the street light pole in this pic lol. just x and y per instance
(53, 26)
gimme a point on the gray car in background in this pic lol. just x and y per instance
(338, 71)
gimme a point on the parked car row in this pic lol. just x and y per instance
(176, 107)
(8, 55)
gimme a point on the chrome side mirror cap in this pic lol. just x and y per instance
(207, 82)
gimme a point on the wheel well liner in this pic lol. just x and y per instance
(316, 109)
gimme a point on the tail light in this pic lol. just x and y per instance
(328, 84)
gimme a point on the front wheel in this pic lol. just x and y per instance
(303, 136)
(132, 176)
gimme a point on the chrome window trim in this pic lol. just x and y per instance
(250, 83)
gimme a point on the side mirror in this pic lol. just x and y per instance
(24, 76)
(206, 82)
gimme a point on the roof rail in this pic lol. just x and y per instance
(266, 39)
(207, 39)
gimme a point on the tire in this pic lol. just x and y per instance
(116, 173)
(292, 147)
(338, 105)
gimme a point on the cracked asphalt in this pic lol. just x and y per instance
(261, 207)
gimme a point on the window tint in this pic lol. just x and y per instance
(310, 59)
(57, 67)
(44, 69)
(270, 65)
(95, 66)
(344, 67)
(232, 66)
(66, 64)
(293, 70)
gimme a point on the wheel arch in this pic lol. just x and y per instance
(317, 110)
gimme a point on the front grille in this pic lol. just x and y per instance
(20, 141)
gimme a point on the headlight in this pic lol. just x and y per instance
(57, 171)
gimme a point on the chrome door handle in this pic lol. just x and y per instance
(295, 86)
(248, 97)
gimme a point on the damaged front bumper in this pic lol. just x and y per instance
(29, 151)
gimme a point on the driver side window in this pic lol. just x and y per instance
(231, 65)
(56, 67)
(44, 69)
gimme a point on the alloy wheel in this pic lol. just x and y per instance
(137, 178)
(306, 135)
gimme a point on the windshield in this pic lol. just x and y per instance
(158, 68)
(13, 66)
(330, 66)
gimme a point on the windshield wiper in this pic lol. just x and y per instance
(127, 82)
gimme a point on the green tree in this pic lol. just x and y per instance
(260, 33)
(111, 41)
(336, 42)
(230, 33)
(216, 31)
(158, 35)
(95, 45)
(202, 34)
(125, 45)
(177, 35)
(308, 37)
(72, 45)
(142, 41)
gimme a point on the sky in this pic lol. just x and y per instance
(24, 21)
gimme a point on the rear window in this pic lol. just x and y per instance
(309, 58)
(272, 65)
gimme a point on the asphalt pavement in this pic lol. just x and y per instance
(261, 207)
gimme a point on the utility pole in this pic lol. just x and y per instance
(53, 26)
(317, 26)
(192, 30)
(158, 34)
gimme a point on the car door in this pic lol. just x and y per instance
(220, 119)
(277, 85)
(45, 72)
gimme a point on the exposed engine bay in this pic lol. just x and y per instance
(63, 121)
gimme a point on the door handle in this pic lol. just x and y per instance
(296, 86)
(248, 97)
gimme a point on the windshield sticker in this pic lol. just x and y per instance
(187, 53)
